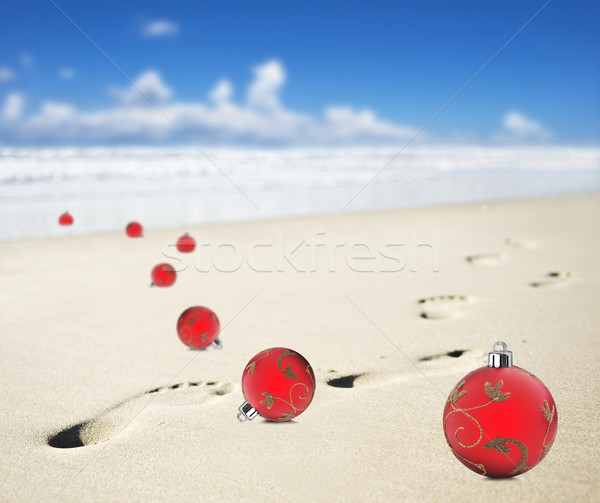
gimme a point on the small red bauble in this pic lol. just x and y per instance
(198, 328)
(500, 420)
(186, 244)
(65, 219)
(134, 230)
(163, 275)
(278, 384)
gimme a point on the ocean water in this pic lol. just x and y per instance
(105, 188)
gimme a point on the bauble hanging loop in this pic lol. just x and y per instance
(500, 357)
(246, 412)
(500, 420)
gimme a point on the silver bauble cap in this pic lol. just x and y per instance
(499, 358)
(246, 412)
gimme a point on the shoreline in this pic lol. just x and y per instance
(274, 219)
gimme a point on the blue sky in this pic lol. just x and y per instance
(338, 71)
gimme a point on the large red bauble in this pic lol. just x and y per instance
(279, 383)
(134, 230)
(65, 219)
(500, 422)
(186, 244)
(163, 275)
(198, 327)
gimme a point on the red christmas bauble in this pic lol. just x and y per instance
(186, 244)
(501, 420)
(278, 384)
(163, 275)
(65, 219)
(198, 327)
(134, 230)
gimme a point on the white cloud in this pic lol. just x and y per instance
(66, 73)
(13, 106)
(347, 123)
(7, 74)
(263, 92)
(262, 119)
(148, 85)
(26, 59)
(160, 28)
(517, 123)
(517, 126)
(222, 92)
(57, 110)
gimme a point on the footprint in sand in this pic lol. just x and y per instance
(364, 379)
(443, 306)
(453, 361)
(439, 364)
(554, 279)
(456, 353)
(106, 425)
(527, 244)
(486, 259)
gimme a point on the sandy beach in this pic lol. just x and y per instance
(396, 305)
